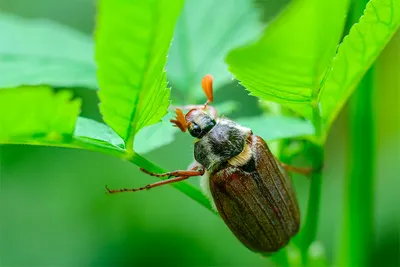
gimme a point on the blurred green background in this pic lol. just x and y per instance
(54, 211)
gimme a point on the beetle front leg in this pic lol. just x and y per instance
(195, 171)
(188, 173)
(149, 186)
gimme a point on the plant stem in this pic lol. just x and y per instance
(280, 258)
(358, 229)
(142, 162)
(132, 157)
(309, 231)
(311, 224)
(184, 187)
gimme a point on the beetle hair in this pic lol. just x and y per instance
(242, 158)
(205, 188)
(224, 141)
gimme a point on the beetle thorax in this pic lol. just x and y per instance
(224, 141)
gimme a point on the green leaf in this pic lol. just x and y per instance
(133, 38)
(92, 131)
(41, 52)
(205, 32)
(37, 115)
(277, 127)
(357, 52)
(288, 63)
(40, 116)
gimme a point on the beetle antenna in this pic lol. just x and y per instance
(179, 120)
(207, 84)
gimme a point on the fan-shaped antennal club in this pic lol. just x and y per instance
(179, 120)
(207, 84)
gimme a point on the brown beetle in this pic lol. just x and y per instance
(245, 182)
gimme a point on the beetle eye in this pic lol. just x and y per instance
(195, 130)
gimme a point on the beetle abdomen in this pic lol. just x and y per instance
(256, 200)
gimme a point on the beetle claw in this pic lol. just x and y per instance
(108, 190)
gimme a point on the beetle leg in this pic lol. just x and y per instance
(306, 171)
(195, 171)
(149, 186)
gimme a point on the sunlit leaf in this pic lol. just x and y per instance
(288, 63)
(41, 52)
(133, 38)
(277, 127)
(37, 115)
(355, 55)
(205, 32)
(41, 116)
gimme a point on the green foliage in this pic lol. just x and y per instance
(131, 57)
(294, 63)
(287, 64)
(270, 9)
(41, 116)
(269, 127)
(37, 115)
(356, 242)
(202, 41)
(37, 52)
(358, 51)
(91, 131)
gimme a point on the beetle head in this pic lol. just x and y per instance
(197, 121)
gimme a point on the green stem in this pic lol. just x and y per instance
(132, 157)
(358, 229)
(280, 258)
(314, 200)
(184, 187)
(309, 231)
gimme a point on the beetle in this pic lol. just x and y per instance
(246, 184)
